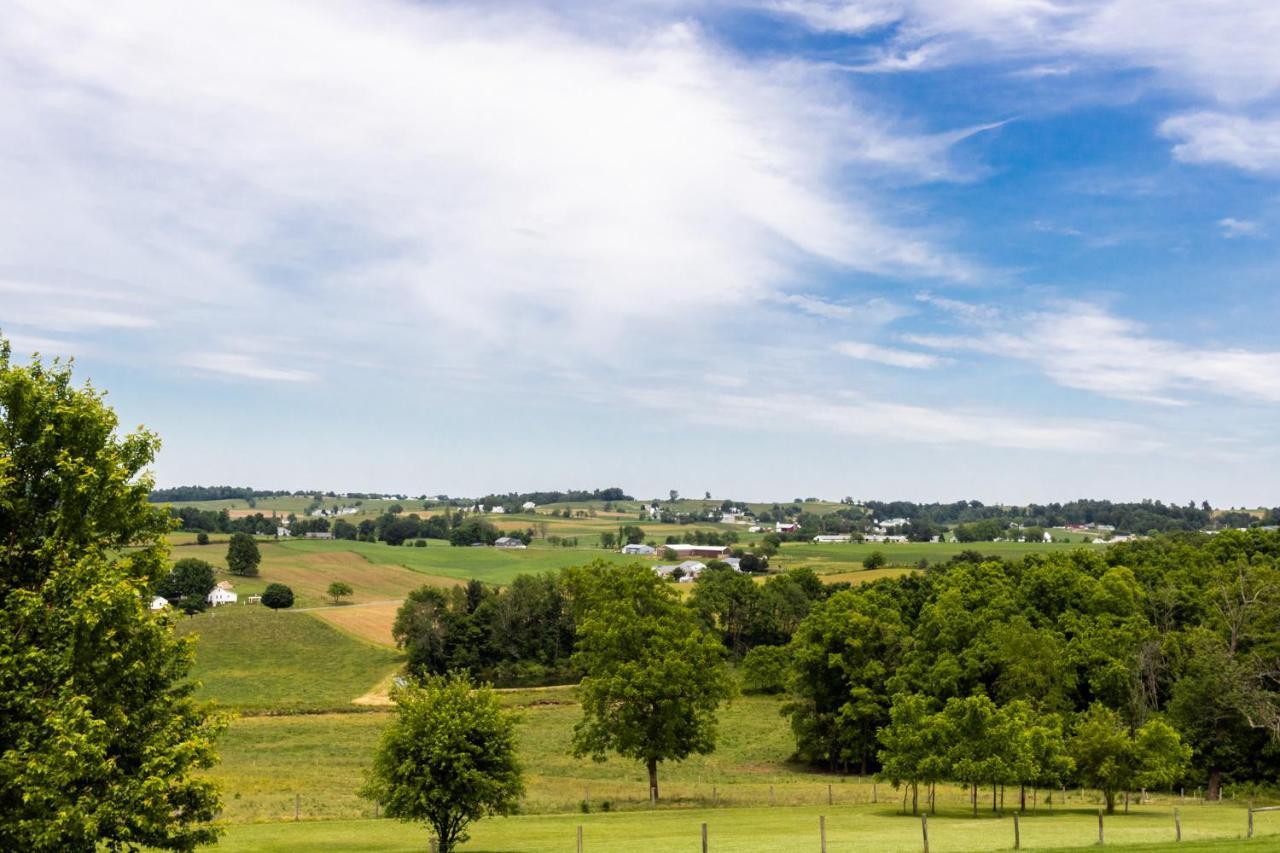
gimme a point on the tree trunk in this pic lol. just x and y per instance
(1111, 801)
(975, 799)
(915, 794)
(1022, 798)
(1214, 792)
(994, 789)
(653, 780)
(862, 770)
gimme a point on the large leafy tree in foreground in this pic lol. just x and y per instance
(448, 759)
(100, 740)
(653, 676)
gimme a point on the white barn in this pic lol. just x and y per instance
(219, 595)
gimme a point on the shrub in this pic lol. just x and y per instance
(764, 669)
(202, 538)
(874, 560)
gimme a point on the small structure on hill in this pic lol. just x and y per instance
(639, 548)
(509, 542)
(319, 534)
(218, 595)
(159, 603)
(713, 551)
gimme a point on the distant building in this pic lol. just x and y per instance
(509, 542)
(832, 539)
(528, 506)
(219, 596)
(691, 569)
(319, 534)
(499, 510)
(734, 563)
(785, 527)
(639, 548)
(714, 551)
(159, 603)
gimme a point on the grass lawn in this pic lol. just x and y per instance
(778, 830)
(253, 659)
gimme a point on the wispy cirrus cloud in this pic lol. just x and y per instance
(888, 355)
(247, 366)
(1082, 346)
(1231, 228)
(1252, 144)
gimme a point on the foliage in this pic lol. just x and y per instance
(874, 560)
(277, 596)
(100, 741)
(448, 759)
(764, 669)
(653, 677)
(243, 556)
(188, 584)
(1111, 758)
(339, 590)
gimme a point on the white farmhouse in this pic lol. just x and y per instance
(159, 603)
(528, 506)
(218, 595)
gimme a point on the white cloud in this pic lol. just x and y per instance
(1082, 346)
(245, 366)
(1212, 137)
(1224, 50)
(1232, 228)
(854, 416)
(887, 355)
(397, 175)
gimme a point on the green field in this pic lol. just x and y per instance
(844, 557)
(282, 670)
(764, 829)
(253, 659)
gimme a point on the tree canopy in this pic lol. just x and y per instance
(448, 759)
(101, 743)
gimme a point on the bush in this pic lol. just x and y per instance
(277, 596)
(874, 560)
(419, 543)
(764, 669)
(202, 538)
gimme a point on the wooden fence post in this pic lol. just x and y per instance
(924, 830)
(1250, 835)
(1099, 827)
(772, 801)
(579, 838)
(586, 796)
(1017, 833)
(297, 807)
(873, 792)
(822, 831)
(1177, 826)
(704, 838)
(828, 793)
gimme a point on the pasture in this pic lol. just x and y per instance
(764, 829)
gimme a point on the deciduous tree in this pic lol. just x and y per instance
(243, 556)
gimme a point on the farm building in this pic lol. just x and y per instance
(218, 595)
(785, 527)
(509, 542)
(689, 570)
(319, 534)
(528, 506)
(831, 539)
(159, 603)
(638, 548)
(698, 550)
(734, 563)
(282, 532)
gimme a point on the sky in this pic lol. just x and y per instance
(1006, 250)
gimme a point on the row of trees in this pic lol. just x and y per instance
(1183, 629)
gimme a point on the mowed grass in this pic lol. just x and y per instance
(371, 622)
(440, 560)
(765, 829)
(846, 557)
(253, 659)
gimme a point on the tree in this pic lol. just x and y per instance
(202, 538)
(339, 590)
(419, 629)
(608, 540)
(1111, 758)
(912, 745)
(101, 743)
(874, 560)
(448, 759)
(188, 584)
(277, 596)
(242, 555)
(764, 669)
(653, 677)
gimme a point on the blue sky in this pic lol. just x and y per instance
(928, 249)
